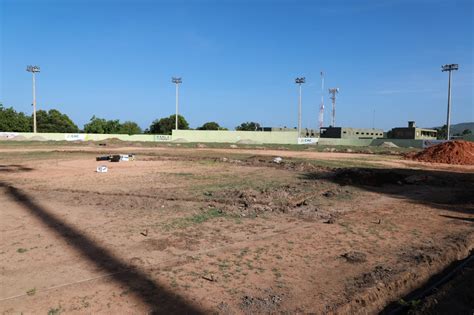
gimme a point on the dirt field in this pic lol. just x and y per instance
(221, 230)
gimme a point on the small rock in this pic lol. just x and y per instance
(329, 194)
(354, 257)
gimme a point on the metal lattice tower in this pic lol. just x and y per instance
(321, 107)
(333, 92)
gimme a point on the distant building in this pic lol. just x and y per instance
(305, 132)
(350, 133)
(412, 132)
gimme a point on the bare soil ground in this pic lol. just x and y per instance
(213, 230)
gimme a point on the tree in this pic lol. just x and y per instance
(248, 126)
(130, 128)
(467, 132)
(100, 125)
(54, 121)
(165, 125)
(442, 132)
(11, 120)
(212, 125)
(95, 125)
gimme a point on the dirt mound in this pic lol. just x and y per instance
(388, 144)
(452, 152)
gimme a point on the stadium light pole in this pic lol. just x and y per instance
(449, 68)
(299, 81)
(34, 70)
(177, 82)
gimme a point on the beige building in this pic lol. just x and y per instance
(412, 132)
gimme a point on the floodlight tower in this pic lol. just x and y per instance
(321, 108)
(34, 70)
(177, 82)
(333, 92)
(449, 68)
(299, 81)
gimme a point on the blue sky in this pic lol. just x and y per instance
(238, 59)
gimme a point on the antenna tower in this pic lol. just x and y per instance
(321, 108)
(333, 92)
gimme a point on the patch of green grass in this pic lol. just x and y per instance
(31, 292)
(276, 273)
(21, 250)
(54, 311)
(195, 219)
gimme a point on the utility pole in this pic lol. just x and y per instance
(449, 68)
(34, 70)
(177, 82)
(333, 92)
(321, 108)
(299, 81)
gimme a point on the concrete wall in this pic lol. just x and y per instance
(79, 137)
(231, 136)
(405, 143)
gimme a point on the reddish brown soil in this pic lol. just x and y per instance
(454, 152)
(188, 231)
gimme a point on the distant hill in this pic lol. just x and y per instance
(459, 128)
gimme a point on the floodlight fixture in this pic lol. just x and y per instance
(449, 68)
(32, 69)
(176, 80)
(300, 80)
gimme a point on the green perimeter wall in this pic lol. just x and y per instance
(216, 136)
(18, 136)
(231, 136)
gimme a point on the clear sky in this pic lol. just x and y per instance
(239, 58)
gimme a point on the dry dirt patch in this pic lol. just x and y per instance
(177, 231)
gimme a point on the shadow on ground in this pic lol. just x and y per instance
(159, 299)
(14, 168)
(439, 189)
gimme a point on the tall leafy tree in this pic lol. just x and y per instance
(54, 121)
(248, 126)
(164, 126)
(212, 125)
(101, 125)
(11, 120)
(96, 125)
(130, 127)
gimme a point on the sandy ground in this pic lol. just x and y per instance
(223, 230)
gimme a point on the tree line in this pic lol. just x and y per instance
(55, 121)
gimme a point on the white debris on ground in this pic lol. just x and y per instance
(277, 160)
(102, 169)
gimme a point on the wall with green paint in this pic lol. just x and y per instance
(232, 136)
(79, 137)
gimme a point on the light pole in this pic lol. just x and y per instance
(33, 70)
(449, 68)
(299, 81)
(177, 82)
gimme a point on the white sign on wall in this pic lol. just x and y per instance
(162, 137)
(75, 137)
(307, 140)
(8, 135)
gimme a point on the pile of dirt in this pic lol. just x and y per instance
(453, 152)
(388, 144)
